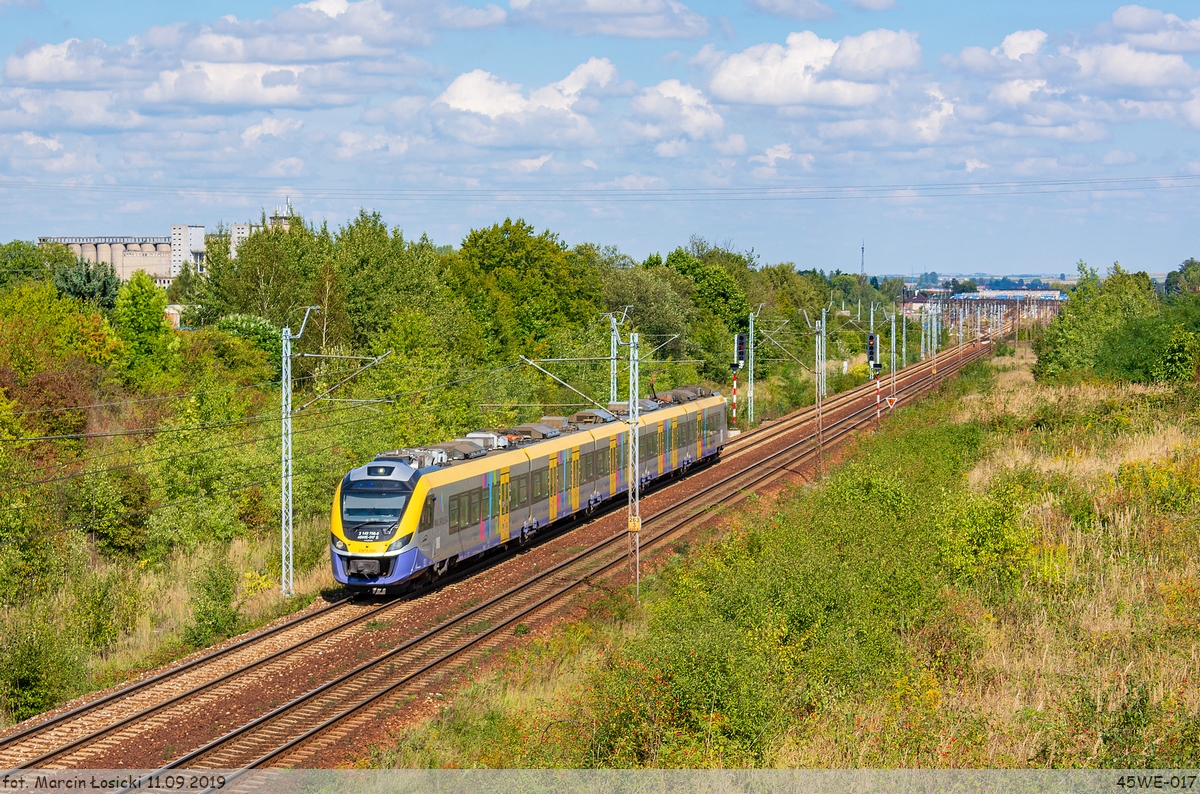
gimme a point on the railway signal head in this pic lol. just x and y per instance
(739, 350)
(873, 351)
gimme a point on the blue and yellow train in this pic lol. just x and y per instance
(412, 514)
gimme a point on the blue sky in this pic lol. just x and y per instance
(988, 139)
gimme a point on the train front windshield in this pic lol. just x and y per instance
(372, 507)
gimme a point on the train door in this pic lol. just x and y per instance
(576, 478)
(612, 465)
(662, 448)
(674, 443)
(552, 486)
(502, 523)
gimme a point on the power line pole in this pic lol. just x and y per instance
(285, 434)
(750, 382)
(635, 488)
(893, 353)
(614, 340)
(823, 339)
(819, 366)
(904, 333)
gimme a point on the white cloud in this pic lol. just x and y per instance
(876, 53)
(734, 144)
(672, 148)
(1021, 43)
(794, 9)
(635, 182)
(1121, 65)
(288, 166)
(354, 144)
(1016, 92)
(976, 165)
(677, 107)
(637, 19)
(29, 139)
(809, 70)
(1154, 30)
(589, 164)
(773, 154)
(487, 109)
(276, 128)
(527, 166)
(1118, 157)
(873, 5)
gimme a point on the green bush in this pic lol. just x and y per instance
(40, 665)
(215, 614)
(980, 537)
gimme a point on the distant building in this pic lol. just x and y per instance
(163, 258)
(187, 247)
(127, 255)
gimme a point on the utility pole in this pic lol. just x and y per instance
(893, 353)
(823, 353)
(635, 471)
(285, 435)
(819, 367)
(614, 341)
(904, 333)
(750, 382)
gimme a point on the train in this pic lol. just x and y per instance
(410, 515)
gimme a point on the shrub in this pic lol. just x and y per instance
(40, 665)
(215, 614)
(979, 537)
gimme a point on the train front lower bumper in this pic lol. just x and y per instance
(357, 571)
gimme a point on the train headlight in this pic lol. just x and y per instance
(337, 543)
(399, 543)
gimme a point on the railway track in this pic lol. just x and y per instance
(320, 715)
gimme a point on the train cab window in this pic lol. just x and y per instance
(427, 513)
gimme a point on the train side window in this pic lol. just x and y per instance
(589, 464)
(473, 515)
(522, 491)
(454, 520)
(539, 485)
(601, 463)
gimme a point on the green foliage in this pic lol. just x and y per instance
(257, 331)
(981, 538)
(215, 614)
(21, 261)
(40, 666)
(716, 289)
(1074, 339)
(1185, 280)
(752, 633)
(93, 282)
(138, 316)
(1179, 358)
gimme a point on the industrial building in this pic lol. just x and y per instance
(162, 258)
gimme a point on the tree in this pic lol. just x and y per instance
(255, 330)
(139, 316)
(716, 289)
(1185, 279)
(21, 260)
(1073, 340)
(94, 282)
